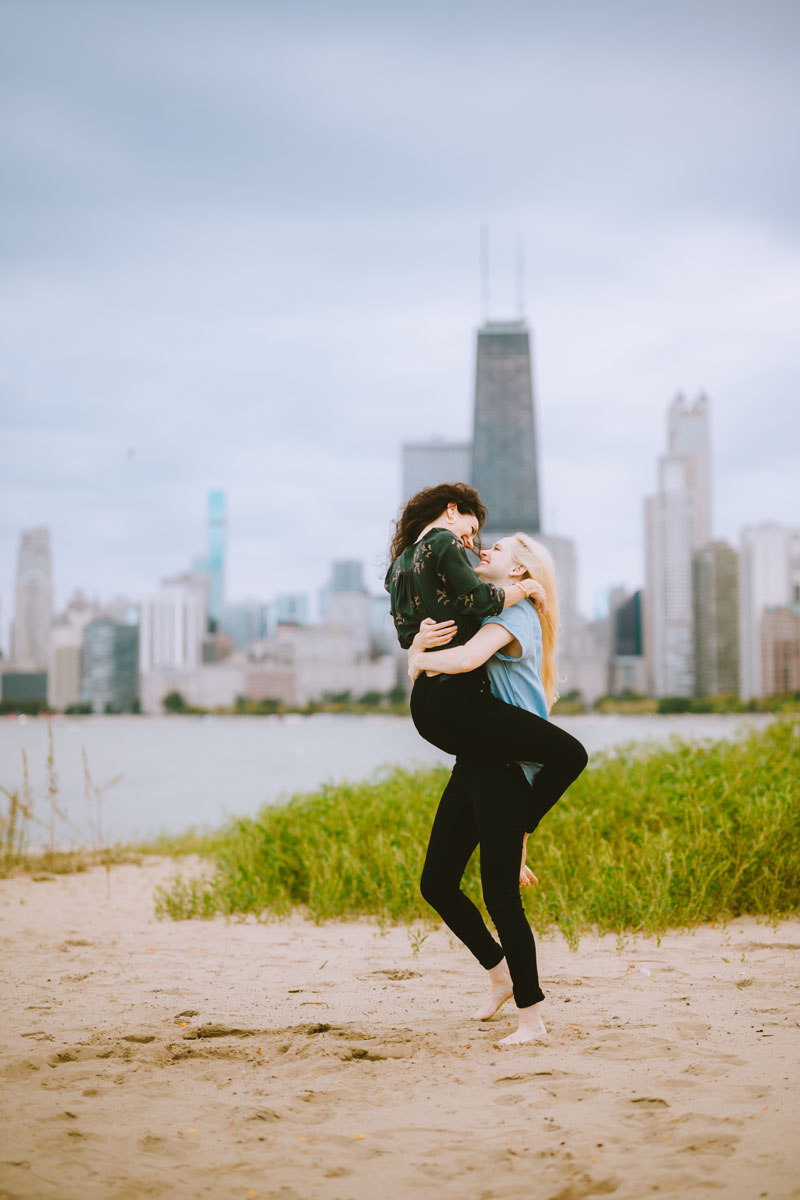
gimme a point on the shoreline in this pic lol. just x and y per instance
(290, 1059)
(183, 772)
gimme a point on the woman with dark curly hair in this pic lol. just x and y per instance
(431, 577)
(489, 798)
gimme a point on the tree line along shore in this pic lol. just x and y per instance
(395, 703)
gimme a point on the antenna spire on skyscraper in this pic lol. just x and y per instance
(485, 271)
(520, 276)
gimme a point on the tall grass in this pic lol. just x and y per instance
(642, 842)
(20, 813)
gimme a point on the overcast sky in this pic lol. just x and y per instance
(240, 250)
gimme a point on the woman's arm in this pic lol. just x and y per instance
(470, 594)
(458, 659)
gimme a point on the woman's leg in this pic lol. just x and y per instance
(501, 796)
(454, 837)
(460, 717)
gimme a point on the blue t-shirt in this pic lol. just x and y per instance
(518, 681)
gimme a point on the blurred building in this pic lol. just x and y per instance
(290, 610)
(502, 459)
(208, 685)
(245, 622)
(425, 464)
(212, 562)
(347, 605)
(66, 646)
(18, 685)
(217, 533)
(314, 662)
(627, 666)
(769, 577)
(780, 651)
(110, 666)
(576, 652)
(173, 623)
(297, 664)
(504, 452)
(589, 675)
(715, 607)
(677, 520)
(627, 617)
(33, 611)
(689, 437)
(216, 647)
(668, 638)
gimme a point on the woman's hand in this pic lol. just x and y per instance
(415, 665)
(433, 634)
(430, 636)
(526, 875)
(535, 592)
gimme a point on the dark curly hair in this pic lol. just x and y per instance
(427, 505)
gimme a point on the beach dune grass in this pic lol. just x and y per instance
(647, 839)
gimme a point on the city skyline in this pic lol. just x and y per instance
(219, 278)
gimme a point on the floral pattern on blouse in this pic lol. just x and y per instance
(434, 578)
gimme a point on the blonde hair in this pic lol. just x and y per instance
(539, 565)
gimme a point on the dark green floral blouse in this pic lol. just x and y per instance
(434, 578)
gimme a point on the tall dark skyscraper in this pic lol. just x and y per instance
(504, 454)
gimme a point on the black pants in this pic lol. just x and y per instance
(459, 714)
(484, 804)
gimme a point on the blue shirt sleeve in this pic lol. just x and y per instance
(522, 622)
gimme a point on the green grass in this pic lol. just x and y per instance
(643, 841)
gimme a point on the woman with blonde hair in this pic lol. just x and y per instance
(491, 803)
(431, 577)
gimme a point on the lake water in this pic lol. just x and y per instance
(183, 771)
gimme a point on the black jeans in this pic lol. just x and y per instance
(484, 804)
(459, 714)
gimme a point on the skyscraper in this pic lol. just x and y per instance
(33, 612)
(668, 642)
(66, 645)
(504, 453)
(677, 520)
(109, 671)
(688, 438)
(769, 577)
(173, 624)
(216, 557)
(715, 602)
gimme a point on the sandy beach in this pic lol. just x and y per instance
(287, 1060)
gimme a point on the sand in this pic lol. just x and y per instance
(289, 1060)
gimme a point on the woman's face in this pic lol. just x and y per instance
(464, 526)
(497, 564)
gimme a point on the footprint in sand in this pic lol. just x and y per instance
(397, 974)
(150, 1143)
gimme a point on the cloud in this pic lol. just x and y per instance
(243, 241)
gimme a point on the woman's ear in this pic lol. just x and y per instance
(451, 513)
(517, 570)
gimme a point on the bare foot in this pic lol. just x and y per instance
(500, 990)
(530, 1029)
